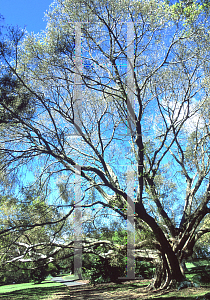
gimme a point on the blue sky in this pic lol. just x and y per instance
(28, 13)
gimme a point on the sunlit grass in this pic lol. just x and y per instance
(69, 277)
(30, 291)
(23, 286)
(190, 265)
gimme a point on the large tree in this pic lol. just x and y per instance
(115, 86)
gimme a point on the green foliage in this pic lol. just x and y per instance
(42, 271)
(144, 269)
(13, 97)
(99, 270)
(203, 4)
(188, 12)
(26, 272)
(202, 278)
(32, 209)
(120, 237)
(65, 259)
(16, 101)
(13, 274)
(201, 248)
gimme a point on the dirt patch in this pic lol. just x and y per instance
(83, 281)
(105, 291)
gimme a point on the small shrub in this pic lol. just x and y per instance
(144, 269)
(205, 276)
(100, 271)
(41, 272)
(11, 274)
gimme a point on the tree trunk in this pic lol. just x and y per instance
(165, 277)
(168, 269)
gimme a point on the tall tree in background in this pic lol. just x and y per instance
(163, 134)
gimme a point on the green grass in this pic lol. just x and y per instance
(198, 263)
(198, 271)
(68, 277)
(185, 295)
(30, 291)
(190, 265)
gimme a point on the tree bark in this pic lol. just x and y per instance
(169, 269)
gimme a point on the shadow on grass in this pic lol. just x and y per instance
(184, 294)
(176, 298)
(35, 293)
(115, 286)
(107, 291)
(165, 297)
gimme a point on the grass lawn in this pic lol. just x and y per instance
(198, 263)
(69, 277)
(31, 291)
(197, 269)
